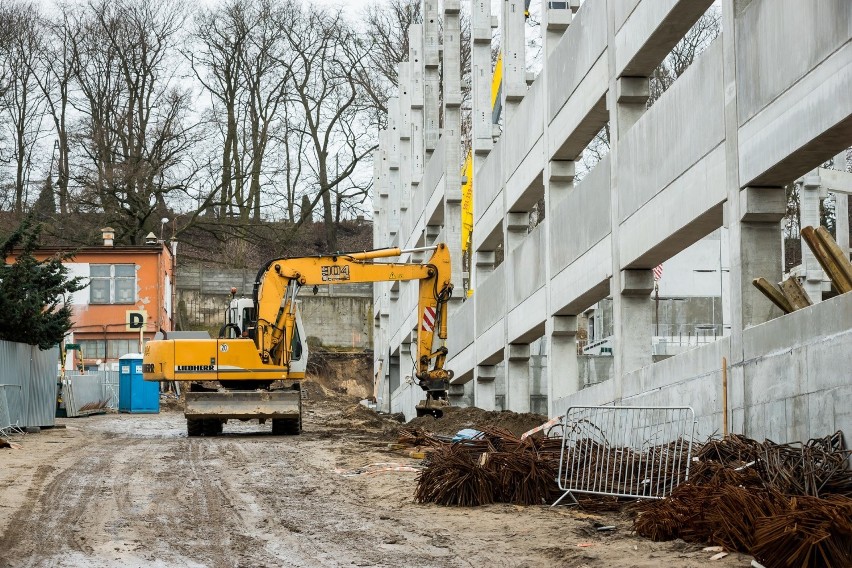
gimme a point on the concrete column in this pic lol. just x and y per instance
(391, 138)
(451, 133)
(431, 78)
(517, 369)
(841, 208)
(456, 394)
(516, 225)
(632, 96)
(404, 134)
(562, 371)
(417, 69)
(630, 289)
(761, 209)
(810, 199)
(633, 330)
(556, 20)
(484, 389)
(512, 44)
(481, 77)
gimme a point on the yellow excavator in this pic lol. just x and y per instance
(261, 353)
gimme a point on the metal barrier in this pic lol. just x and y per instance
(6, 425)
(625, 451)
(90, 393)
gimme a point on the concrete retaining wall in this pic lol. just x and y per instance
(794, 383)
(339, 316)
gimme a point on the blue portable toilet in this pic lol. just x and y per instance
(135, 394)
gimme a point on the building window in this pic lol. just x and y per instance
(93, 348)
(112, 283)
(120, 347)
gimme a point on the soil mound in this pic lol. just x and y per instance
(456, 418)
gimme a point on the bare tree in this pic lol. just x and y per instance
(54, 74)
(22, 100)
(135, 134)
(240, 63)
(327, 60)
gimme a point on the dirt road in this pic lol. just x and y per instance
(133, 490)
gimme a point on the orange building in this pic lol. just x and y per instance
(128, 298)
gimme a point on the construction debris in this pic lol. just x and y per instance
(497, 467)
(791, 296)
(786, 504)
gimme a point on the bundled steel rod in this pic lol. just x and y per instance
(786, 504)
(497, 467)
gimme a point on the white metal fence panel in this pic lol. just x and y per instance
(625, 451)
(90, 392)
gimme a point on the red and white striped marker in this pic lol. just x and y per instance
(429, 319)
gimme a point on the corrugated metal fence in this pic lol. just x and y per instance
(29, 376)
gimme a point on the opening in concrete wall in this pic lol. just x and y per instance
(685, 52)
(593, 153)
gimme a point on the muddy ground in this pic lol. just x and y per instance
(133, 490)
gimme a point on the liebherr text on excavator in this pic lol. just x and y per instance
(261, 354)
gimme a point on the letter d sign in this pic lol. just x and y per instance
(135, 320)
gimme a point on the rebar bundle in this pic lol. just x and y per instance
(497, 467)
(786, 504)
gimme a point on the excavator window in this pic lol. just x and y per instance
(296, 346)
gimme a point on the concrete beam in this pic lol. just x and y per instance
(762, 205)
(562, 170)
(632, 90)
(651, 31)
(637, 282)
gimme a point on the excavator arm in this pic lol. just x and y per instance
(279, 282)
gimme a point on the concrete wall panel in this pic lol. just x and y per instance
(582, 218)
(806, 125)
(491, 344)
(526, 267)
(582, 45)
(526, 186)
(781, 41)
(526, 322)
(584, 282)
(462, 364)
(687, 210)
(577, 122)
(524, 128)
(682, 127)
(794, 378)
(490, 298)
(621, 11)
(462, 325)
(488, 181)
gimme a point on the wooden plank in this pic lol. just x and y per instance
(773, 294)
(836, 254)
(825, 259)
(795, 293)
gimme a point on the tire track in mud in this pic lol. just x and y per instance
(55, 513)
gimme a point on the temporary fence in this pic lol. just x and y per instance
(31, 375)
(90, 393)
(625, 451)
(6, 423)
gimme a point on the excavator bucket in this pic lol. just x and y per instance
(432, 406)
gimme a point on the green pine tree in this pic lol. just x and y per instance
(33, 307)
